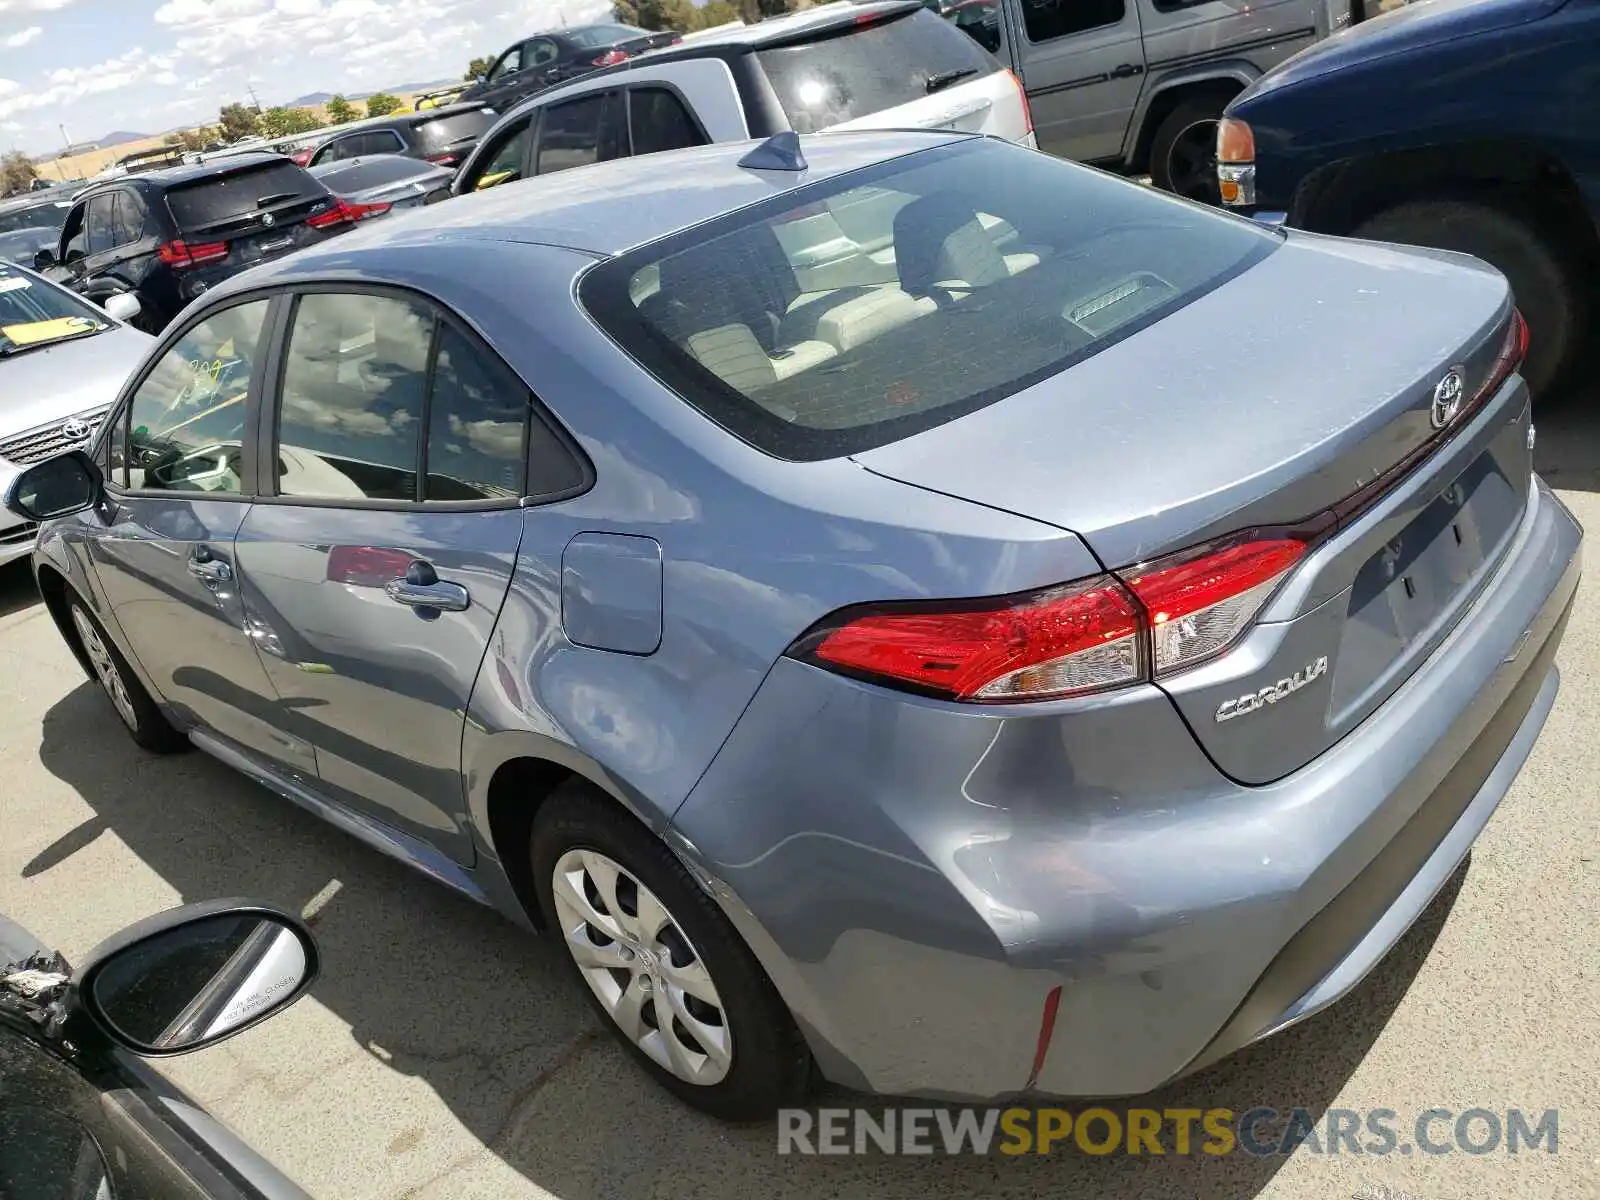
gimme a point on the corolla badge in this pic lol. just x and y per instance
(1255, 701)
(1447, 395)
(76, 430)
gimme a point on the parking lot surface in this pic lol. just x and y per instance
(445, 1054)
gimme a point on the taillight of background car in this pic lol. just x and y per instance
(181, 255)
(609, 59)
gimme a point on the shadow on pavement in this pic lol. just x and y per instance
(484, 1014)
(17, 589)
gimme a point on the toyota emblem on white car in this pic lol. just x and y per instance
(1447, 395)
(76, 430)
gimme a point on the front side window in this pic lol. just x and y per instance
(185, 423)
(658, 121)
(541, 52)
(350, 413)
(579, 132)
(1045, 20)
(101, 223)
(863, 309)
(504, 163)
(130, 215)
(510, 61)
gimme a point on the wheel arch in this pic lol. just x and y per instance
(1224, 79)
(53, 587)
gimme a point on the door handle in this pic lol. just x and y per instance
(211, 570)
(423, 589)
(1127, 71)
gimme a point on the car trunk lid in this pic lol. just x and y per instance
(238, 218)
(1301, 388)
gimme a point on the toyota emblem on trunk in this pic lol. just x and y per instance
(1447, 398)
(75, 430)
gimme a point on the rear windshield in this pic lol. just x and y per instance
(228, 197)
(604, 35)
(459, 129)
(855, 71)
(357, 175)
(883, 302)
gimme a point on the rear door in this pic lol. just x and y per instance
(235, 219)
(382, 550)
(1083, 63)
(900, 68)
(179, 484)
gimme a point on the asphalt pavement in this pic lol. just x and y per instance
(444, 1053)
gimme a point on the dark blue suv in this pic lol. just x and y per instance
(1463, 124)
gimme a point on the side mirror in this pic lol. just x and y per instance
(191, 977)
(56, 487)
(123, 306)
(44, 259)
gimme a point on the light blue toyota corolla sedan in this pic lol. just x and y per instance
(897, 607)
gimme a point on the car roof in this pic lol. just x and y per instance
(388, 120)
(785, 27)
(603, 209)
(34, 200)
(189, 172)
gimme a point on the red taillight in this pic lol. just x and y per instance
(1512, 353)
(443, 160)
(367, 566)
(1022, 96)
(610, 58)
(1082, 637)
(1199, 601)
(340, 214)
(360, 212)
(302, 157)
(181, 255)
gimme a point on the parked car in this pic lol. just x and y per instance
(442, 136)
(62, 362)
(80, 1116)
(376, 184)
(554, 57)
(35, 211)
(775, 633)
(1447, 124)
(23, 245)
(890, 64)
(167, 236)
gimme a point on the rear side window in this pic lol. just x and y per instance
(1045, 20)
(228, 197)
(580, 132)
(456, 132)
(658, 121)
(863, 309)
(860, 70)
(604, 35)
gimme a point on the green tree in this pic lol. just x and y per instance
(340, 110)
(192, 139)
(478, 67)
(656, 14)
(16, 173)
(381, 104)
(281, 122)
(238, 121)
(717, 12)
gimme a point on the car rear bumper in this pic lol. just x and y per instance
(918, 878)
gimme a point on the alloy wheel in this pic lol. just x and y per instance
(642, 967)
(1192, 163)
(105, 667)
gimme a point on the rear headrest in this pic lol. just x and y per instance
(938, 238)
(748, 281)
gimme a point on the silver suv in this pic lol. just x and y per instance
(1139, 85)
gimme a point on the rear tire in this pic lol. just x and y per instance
(584, 846)
(1183, 152)
(1523, 248)
(121, 686)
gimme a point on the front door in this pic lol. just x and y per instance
(1083, 66)
(163, 547)
(381, 563)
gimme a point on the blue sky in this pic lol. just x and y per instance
(149, 65)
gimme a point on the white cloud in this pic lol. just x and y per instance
(23, 36)
(23, 6)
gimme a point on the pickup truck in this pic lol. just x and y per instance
(1469, 125)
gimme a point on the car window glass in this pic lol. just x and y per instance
(75, 234)
(186, 420)
(541, 52)
(511, 61)
(129, 218)
(475, 425)
(101, 223)
(570, 135)
(659, 121)
(1047, 19)
(351, 409)
(382, 141)
(505, 163)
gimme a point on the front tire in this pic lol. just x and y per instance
(1521, 247)
(128, 697)
(660, 963)
(1183, 152)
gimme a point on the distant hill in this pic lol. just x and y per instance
(403, 89)
(119, 137)
(309, 99)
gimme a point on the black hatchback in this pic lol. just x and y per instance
(166, 236)
(443, 136)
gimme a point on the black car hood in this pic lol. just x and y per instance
(1421, 23)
